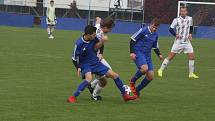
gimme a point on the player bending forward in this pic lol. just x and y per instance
(141, 44)
(183, 35)
(51, 19)
(103, 28)
(89, 63)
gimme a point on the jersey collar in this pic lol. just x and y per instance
(183, 18)
(84, 40)
(149, 30)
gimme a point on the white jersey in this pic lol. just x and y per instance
(182, 26)
(50, 14)
(99, 32)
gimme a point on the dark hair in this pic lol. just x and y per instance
(108, 22)
(51, 1)
(156, 21)
(89, 29)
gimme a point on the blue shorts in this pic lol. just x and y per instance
(98, 69)
(142, 59)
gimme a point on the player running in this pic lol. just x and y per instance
(183, 35)
(141, 44)
(51, 19)
(87, 60)
(103, 28)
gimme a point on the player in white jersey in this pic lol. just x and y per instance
(51, 19)
(183, 26)
(103, 28)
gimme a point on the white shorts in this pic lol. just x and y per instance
(182, 47)
(52, 23)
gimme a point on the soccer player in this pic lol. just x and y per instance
(103, 28)
(51, 19)
(86, 59)
(141, 44)
(183, 35)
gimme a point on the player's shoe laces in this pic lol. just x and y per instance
(72, 99)
(160, 73)
(126, 97)
(194, 76)
(96, 98)
(133, 88)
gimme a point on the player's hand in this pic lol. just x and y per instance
(100, 56)
(79, 72)
(190, 37)
(161, 57)
(133, 56)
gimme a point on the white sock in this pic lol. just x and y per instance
(49, 30)
(52, 29)
(94, 83)
(97, 90)
(164, 64)
(191, 66)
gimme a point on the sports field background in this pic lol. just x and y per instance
(37, 76)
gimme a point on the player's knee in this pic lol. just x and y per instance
(144, 69)
(115, 75)
(150, 78)
(191, 57)
(103, 82)
(112, 74)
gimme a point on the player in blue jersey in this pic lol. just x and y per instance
(141, 44)
(85, 58)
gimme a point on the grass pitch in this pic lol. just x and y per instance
(37, 76)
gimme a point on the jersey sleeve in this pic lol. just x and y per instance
(138, 34)
(191, 21)
(76, 52)
(174, 24)
(47, 12)
(155, 44)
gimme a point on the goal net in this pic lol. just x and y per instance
(203, 13)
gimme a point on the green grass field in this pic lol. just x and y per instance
(37, 76)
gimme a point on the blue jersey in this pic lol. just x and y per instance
(145, 41)
(84, 52)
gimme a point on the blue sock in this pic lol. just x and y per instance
(143, 84)
(136, 76)
(81, 88)
(119, 84)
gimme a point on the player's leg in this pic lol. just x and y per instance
(98, 88)
(49, 30)
(88, 78)
(175, 49)
(52, 30)
(119, 84)
(191, 57)
(148, 78)
(99, 82)
(142, 66)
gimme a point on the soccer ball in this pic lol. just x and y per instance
(127, 89)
